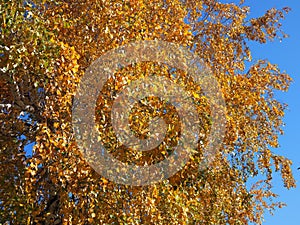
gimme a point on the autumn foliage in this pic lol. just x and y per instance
(45, 48)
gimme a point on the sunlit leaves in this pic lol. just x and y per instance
(44, 50)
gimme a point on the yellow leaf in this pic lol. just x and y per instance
(196, 95)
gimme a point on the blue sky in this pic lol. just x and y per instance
(286, 55)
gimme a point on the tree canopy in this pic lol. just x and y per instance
(45, 49)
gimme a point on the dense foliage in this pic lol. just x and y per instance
(46, 46)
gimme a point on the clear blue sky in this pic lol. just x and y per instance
(286, 55)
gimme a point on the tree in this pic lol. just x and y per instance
(26, 58)
(45, 49)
